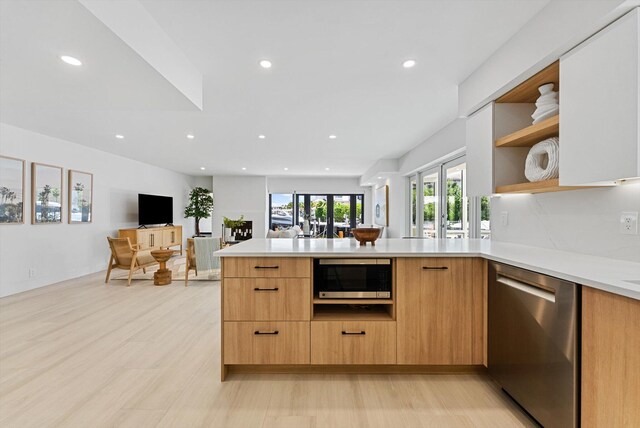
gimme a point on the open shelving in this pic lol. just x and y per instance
(531, 135)
(353, 312)
(318, 301)
(511, 147)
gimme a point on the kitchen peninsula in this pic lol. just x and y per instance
(435, 319)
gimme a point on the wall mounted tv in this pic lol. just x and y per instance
(154, 209)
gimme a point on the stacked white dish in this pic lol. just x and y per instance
(547, 104)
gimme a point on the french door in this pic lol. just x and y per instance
(439, 206)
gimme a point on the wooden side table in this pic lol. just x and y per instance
(163, 275)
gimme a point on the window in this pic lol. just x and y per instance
(281, 211)
(446, 209)
(329, 215)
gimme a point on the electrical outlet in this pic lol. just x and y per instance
(504, 218)
(32, 273)
(629, 223)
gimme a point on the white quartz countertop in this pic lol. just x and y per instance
(616, 276)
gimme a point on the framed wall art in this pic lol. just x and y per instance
(381, 206)
(11, 190)
(46, 194)
(80, 197)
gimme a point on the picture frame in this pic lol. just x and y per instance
(80, 197)
(46, 194)
(381, 206)
(12, 181)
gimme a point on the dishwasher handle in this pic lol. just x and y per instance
(526, 288)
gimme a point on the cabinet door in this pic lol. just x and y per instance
(599, 96)
(168, 237)
(610, 360)
(479, 141)
(440, 311)
(144, 239)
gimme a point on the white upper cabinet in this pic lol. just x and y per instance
(599, 106)
(480, 138)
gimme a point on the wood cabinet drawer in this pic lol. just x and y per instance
(267, 267)
(267, 299)
(266, 342)
(353, 342)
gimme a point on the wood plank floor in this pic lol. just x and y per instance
(85, 354)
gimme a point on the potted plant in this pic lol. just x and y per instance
(200, 206)
(229, 225)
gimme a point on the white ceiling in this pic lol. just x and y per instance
(336, 70)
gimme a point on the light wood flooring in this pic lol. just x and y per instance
(85, 354)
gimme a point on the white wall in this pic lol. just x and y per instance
(583, 221)
(442, 144)
(62, 251)
(397, 205)
(234, 196)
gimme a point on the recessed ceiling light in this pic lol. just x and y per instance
(379, 178)
(332, 137)
(409, 63)
(244, 169)
(119, 136)
(326, 169)
(191, 136)
(71, 60)
(262, 136)
(286, 169)
(201, 168)
(265, 63)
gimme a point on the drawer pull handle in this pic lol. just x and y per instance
(266, 267)
(266, 332)
(353, 333)
(265, 289)
(435, 267)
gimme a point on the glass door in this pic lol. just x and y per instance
(318, 215)
(456, 218)
(342, 216)
(431, 204)
(413, 220)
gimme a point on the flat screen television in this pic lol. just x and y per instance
(154, 209)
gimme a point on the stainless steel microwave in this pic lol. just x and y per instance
(352, 278)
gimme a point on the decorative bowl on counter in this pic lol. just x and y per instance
(366, 234)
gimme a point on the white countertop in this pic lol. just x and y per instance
(602, 273)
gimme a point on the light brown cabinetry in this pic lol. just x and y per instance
(154, 238)
(275, 342)
(271, 321)
(267, 299)
(610, 360)
(353, 342)
(267, 267)
(441, 311)
(266, 308)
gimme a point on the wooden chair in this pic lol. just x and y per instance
(125, 256)
(191, 260)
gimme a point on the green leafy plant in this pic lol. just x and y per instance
(233, 224)
(200, 206)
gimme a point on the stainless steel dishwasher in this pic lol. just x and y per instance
(533, 342)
